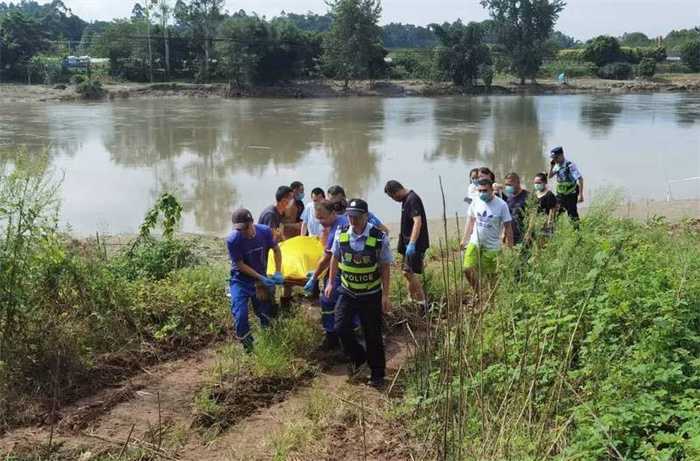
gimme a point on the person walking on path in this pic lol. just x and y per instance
(413, 239)
(569, 182)
(516, 198)
(488, 218)
(362, 256)
(248, 246)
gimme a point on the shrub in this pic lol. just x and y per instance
(576, 55)
(91, 89)
(486, 74)
(570, 68)
(646, 68)
(77, 79)
(588, 350)
(602, 50)
(412, 64)
(690, 55)
(616, 71)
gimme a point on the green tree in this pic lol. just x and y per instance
(690, 54)
(462, 51)
(522, 28)
(635, 40)
(164, 13)
(561, 41)
(256, 51)
(353, 47)
(602, 50)
(202, 18)
(21, 37)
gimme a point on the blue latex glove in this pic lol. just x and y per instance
(268, 282)
(278, 278)
(309, 287)
(410, 249)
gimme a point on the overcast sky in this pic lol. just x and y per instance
(581, 18)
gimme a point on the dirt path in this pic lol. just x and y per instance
(253, 438)
(155, 408)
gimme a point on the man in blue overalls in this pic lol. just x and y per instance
(248, 246)
(362, 256)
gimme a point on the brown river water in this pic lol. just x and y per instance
(117, 157)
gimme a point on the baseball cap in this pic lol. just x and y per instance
(357, 207)
(241, 218)
(556, 151)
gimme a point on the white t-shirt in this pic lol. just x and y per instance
(490, 218)
(309, 217)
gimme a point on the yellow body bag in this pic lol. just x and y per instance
(300, 255)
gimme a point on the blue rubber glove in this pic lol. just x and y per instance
(309, 287)
(410, 249)
(278, 278)
(268, 282)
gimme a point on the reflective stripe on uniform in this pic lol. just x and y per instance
(357, 270)
(360, 286)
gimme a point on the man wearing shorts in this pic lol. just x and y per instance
(488, 218)
(413, 238)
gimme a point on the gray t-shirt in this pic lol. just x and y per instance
(270, 217)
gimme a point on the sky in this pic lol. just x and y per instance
(581, 18)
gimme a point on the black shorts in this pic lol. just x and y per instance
(413, 264)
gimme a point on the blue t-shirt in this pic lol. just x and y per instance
(340, 221)
(252, 251)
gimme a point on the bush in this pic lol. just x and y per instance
(690, 55)
(616, 71)
(486, 74)
(570, 68)
(576, 55)
(91, 89)
(154, 259)
(646, 68)
(636, 55)
(412, 64)
(590, 345)
(672, 68)
(77, 79)
(602, 50)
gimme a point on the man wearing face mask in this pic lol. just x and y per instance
(516, 197)
(248, 246)
(569, 182)
(362, 256)
(488, 218)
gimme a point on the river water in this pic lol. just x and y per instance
(117, 157)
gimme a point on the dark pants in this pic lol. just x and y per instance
(569, 203)
(369, 309)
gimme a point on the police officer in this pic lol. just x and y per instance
(569, 182)
(362, 255)
(248, 246)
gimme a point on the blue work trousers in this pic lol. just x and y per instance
(241, 296)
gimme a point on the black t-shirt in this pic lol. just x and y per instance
(411, 207)
(547, 202)
(516, 205)
(300, 209)
(270, 217)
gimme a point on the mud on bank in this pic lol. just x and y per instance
(329, 89)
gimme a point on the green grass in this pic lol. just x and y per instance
(588, 350)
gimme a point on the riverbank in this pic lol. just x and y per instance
(329, 89)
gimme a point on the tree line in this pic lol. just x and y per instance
(197, 40)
